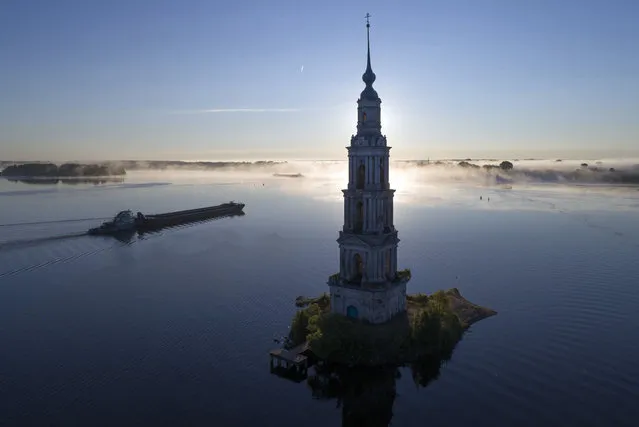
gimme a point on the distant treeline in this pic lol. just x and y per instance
(112, 168)
(584, 174)
(177, 164)
(65, 170)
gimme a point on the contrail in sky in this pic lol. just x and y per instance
(240, 110)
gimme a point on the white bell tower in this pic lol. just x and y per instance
(367, 285)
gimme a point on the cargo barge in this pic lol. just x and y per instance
(126, 221)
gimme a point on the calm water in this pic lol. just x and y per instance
(175, 328)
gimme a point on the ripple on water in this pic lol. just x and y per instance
(43, 254)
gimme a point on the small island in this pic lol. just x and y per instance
(50, 170)
(67, 181)
(161, 165)
(289, 175)
(431, 327)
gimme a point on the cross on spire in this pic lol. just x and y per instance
(369, 76)
(368, 33)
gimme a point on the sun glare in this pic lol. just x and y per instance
(400, 180)
(388, 122)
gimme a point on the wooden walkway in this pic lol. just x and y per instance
(293, 359)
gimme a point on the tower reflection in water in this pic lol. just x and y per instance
(365, 394)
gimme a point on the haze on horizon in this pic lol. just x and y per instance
(279, 80)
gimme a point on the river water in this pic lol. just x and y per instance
(174, 328)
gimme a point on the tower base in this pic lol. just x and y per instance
(372, 305)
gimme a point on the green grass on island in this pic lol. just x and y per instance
(431, 326)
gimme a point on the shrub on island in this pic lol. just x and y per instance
(431, 326)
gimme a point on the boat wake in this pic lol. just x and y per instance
(20, 224)
(54, 256)
(25, 243)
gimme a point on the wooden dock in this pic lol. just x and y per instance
(293, 362)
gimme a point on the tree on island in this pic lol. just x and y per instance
(506, 165)
(465, 164)
(31, 170)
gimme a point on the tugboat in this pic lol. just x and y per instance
(123, 221)
(127, 221)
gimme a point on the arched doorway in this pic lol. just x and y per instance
(358, 268)
(359, 217)
(361, 177)
(351, 311)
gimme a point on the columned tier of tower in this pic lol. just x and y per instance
(369, 120)
(364, 141)
(368, 167)
(368, 211)
(368, 259)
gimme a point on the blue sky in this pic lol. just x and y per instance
(137, 79)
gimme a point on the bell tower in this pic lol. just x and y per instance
(367, 285)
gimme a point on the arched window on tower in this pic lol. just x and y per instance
(358, 268)
(364, 116)
(359, 217)
(361, 177)
(382, 177)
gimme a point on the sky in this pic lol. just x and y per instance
(223, 80)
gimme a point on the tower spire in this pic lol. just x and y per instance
(368, 41)
(369, 76)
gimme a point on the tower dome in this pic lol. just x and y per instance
(369, 76)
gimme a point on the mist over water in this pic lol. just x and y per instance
(604, 171)
(174, 328)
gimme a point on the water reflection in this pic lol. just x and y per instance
(125, 236)
(366, 395)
